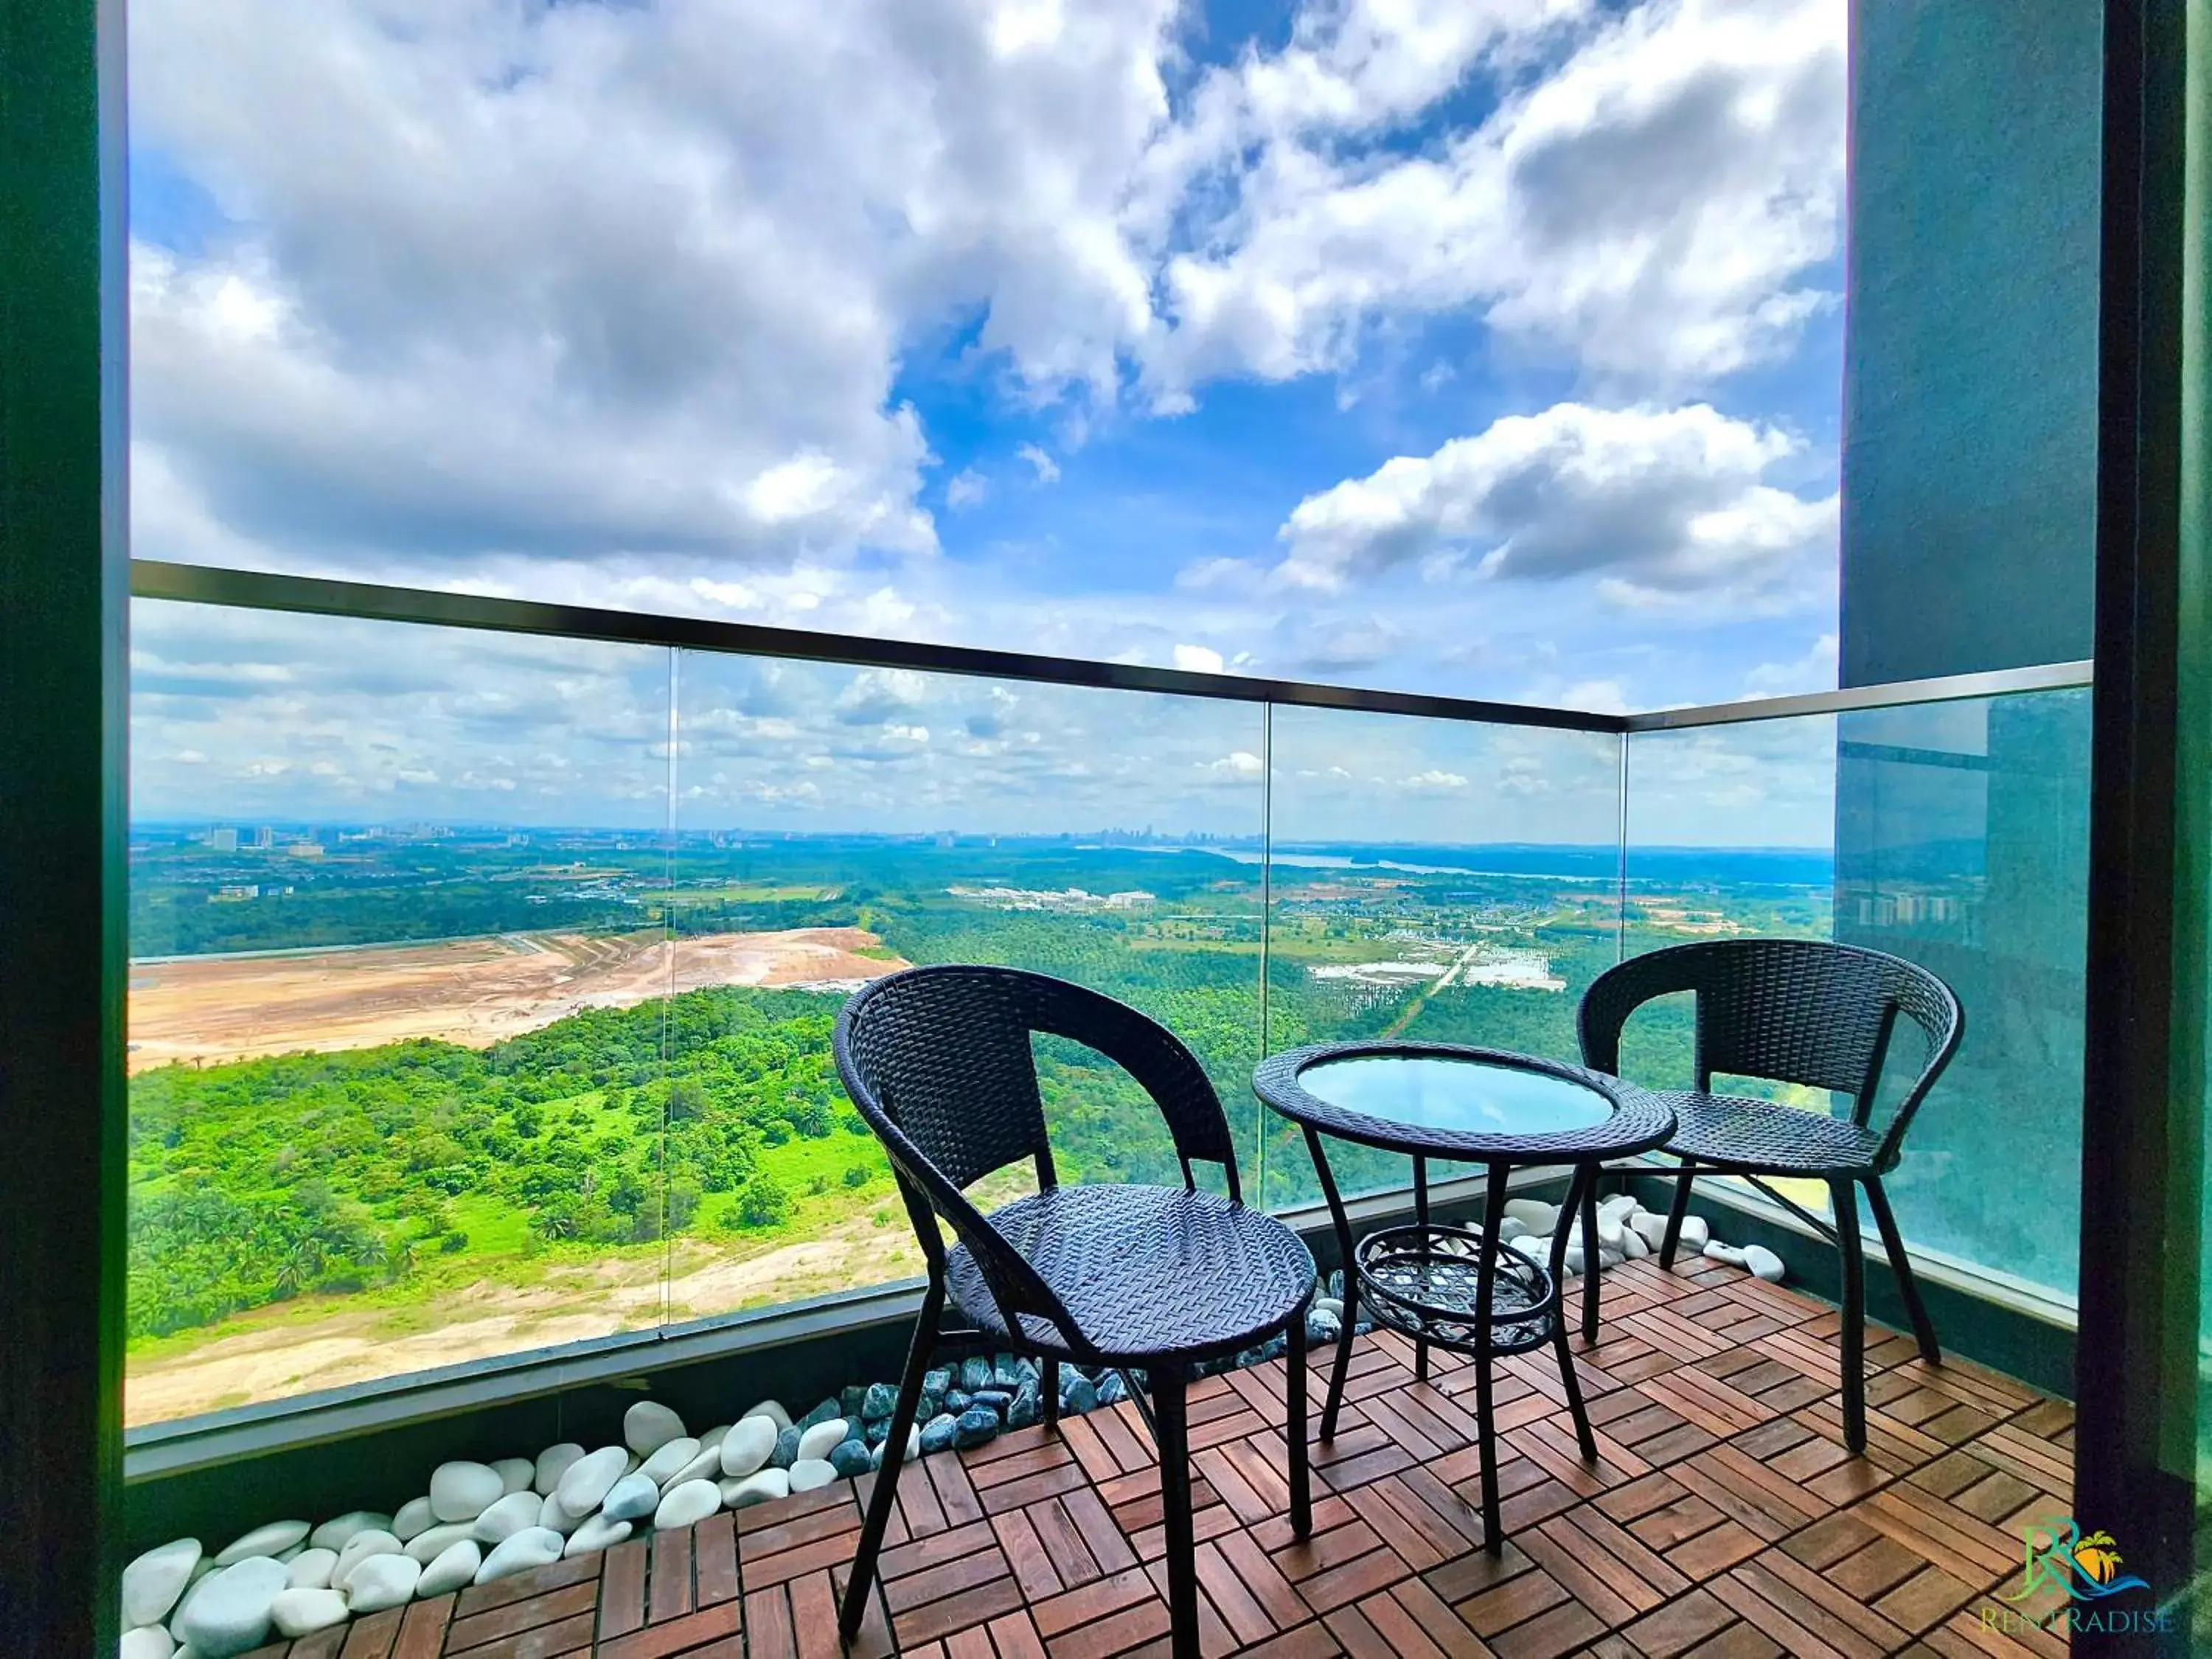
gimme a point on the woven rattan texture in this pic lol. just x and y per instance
(1797, 1011)
(1147, 1272)
(945, 1053)
(1639, 1123)
(1730, 1131)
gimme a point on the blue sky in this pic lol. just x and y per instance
(1489, 346)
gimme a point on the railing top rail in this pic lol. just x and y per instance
(1896, 693)
(314, 595)
(253, 590)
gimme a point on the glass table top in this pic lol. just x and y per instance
(1465, 1097)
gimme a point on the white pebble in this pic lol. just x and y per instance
(455, 1566)
(817, 1442)
(515, 1474)
(677, 1454)
(808, 1474)
(302, 1612)
(759, 1488)
(550, 1514)
(414, 1519)
(513, 1513)
(272, 1540)
(426, 1547)
(1717, 1251)
(381, 1582)
(1697, 1233)
(362, 1547)
(649, 1426)
(748, 1445)
(773, 1410)
(597, 1534)
(634, 1498)
(540, 1547)
(333, 1533)
(695, 1500)
(152, 1584)
(311, 1569)
(462, 1491)
(552, 1464)
(589, 1480)
(147, 1642)
(1633, 1245)
(1764, 1263)
(1532, 1213)
(705, 1464)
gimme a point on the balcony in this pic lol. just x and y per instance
(626, 1172)
(1723, 1517)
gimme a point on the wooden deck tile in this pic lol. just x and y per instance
(1723, 1519)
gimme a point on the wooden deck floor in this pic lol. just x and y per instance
(1724, 1519)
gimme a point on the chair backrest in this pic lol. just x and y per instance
(939, 1060)
(1796, 1011)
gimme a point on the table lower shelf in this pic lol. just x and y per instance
(1425, 1282)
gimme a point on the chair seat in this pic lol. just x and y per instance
(1762, 1137)
(1149, 1272)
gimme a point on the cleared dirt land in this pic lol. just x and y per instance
(472, 990)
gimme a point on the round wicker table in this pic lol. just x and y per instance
(1459, 1288)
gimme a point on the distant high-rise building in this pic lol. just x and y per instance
(224, 840)
(264, 837)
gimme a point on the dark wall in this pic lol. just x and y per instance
(1970, 386)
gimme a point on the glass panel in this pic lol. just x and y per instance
(1453, 1094)
(398, 967)
(1962, 844)
(1433, 879)
(1955, 835)
(1731, 833)
(835, 824)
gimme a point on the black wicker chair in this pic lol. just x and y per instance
(1796, 1011)
(1138, 1279)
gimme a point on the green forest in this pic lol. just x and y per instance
(418, 1167)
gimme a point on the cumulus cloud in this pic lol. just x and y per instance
(614, 284)
(1655, 504)
(1653, 211)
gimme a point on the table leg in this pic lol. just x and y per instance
(1585, 1175)
(1589, 1259)
(1486, 1291)
(1341, 1368)
(1421, 1216)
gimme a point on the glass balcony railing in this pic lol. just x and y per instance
(482, 981)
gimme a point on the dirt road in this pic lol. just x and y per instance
(473, 991)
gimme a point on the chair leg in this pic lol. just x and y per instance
(1675, 1211)
(1052, 1396)
(1294, 1427)
(1167, 1383)
(1846, 1201)
(1923, 1328)
(1589, 1262)
(863, 1582)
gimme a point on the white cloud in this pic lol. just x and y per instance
(1650, 212)
(1813, 672)
(1047, 469)
(966, 489)
(1197, 659)
(1657, 504)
